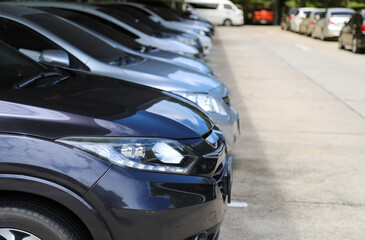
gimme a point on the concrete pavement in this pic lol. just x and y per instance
(300, 163)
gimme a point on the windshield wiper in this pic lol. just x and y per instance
(28, 82)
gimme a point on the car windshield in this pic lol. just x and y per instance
(129, 20)
(164, 13)
(98, 25)
(341, 14)
(77, 37)
(293, 11)
(142, 16)
(317, 13)
(15, 67)
(263, 9)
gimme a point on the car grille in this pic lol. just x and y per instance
(227, 100)
(218, 177)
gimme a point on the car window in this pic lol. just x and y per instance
(128, 19)
(204, 5)
(317, 13)
(21, 37)
(27, 40)
(227, 6)
(358, 20)
(351, 21)
(293, 11)
(84, 41)
(341, 14)
(323, 15)
(15, 67)
(163, 13)
(99, 26)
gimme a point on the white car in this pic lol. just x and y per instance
(198, 30)
(298, 18)
(220, 12)
(143, 38)
(331, 22)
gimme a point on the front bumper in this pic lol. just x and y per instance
(230, 126)
(156, 206)
(328, 33)
(207, 44)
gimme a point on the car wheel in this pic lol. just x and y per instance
(22, 220)
(313, 34)
(355, 48)
(340, 43)
(227, 22)
(322, 36)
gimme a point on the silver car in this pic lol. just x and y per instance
(331, 22)
(57, 41)
(123, 39)
(306, 27)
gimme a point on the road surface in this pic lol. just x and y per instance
(299, 165)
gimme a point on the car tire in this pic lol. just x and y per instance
(25, 220)
(340, 43)
(313, 35)
(322, 37)
(355, 48)
(227, 22)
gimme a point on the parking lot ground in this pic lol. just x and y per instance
(300, 161)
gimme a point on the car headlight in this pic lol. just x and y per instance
(207, 102)
(200, 32)
(146, 154)
(186, 40)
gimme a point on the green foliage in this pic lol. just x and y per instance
(324, 3)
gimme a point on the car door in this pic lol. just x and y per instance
(346, 31)
(228, 11)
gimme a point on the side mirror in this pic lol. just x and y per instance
(55, 57)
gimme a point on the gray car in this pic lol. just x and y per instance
(331, 22)
(124, 39)
(306, 27)
(57, 41)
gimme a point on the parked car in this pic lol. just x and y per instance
(331, 22)
(33, 32)
(89, 157)
(167, 10)
(123, 39)
(143, 35)
(263, 15)
(189, 11)
(220, 12)
(306, 27)
(136, 18)
(352, 34)
(201, 32)
(286, 18)
(297, 19)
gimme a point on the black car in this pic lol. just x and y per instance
(137, 19)
(86, 157)
(353, 33)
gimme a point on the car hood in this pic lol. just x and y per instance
(169, 77)
(86, 105)
(181, 60)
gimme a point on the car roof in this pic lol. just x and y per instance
(341, 9)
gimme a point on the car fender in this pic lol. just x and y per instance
(61, 195)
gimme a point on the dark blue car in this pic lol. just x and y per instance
(85, 157)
